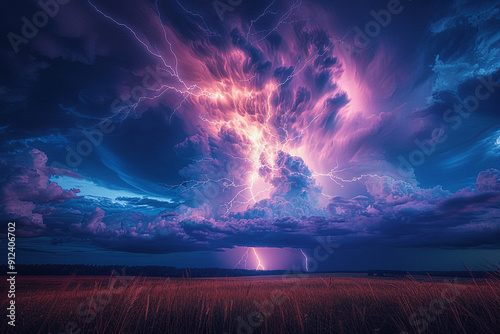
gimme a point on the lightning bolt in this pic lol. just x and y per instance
(305, 257)
(244, 259)
(265, 141)
(259, 265)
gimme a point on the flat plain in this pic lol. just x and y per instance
(293, 304)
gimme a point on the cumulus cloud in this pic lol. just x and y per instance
(25, 187)
(488, 180)
(392, 214)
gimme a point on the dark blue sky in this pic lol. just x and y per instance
(188, 133)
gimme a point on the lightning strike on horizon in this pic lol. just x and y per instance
(306, 260)
(259, 265)
(244, 259)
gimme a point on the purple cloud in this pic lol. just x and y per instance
(26, 187)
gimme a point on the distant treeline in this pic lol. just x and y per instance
(166, 271)
(154, 271)
(461, 274)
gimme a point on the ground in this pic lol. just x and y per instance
(291, 304)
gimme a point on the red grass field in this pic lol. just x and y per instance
(300, 305)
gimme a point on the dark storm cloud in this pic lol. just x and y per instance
(66, 80)
(488, 180)
(394, 213)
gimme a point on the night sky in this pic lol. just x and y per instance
(214, 134)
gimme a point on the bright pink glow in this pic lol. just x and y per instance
(219, 96)
(259, 266)
(306, 261)
(264, 258)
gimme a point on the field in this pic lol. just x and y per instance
(297, 304)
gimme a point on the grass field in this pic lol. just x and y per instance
(254, 305)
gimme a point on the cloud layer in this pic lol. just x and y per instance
(270, 128)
